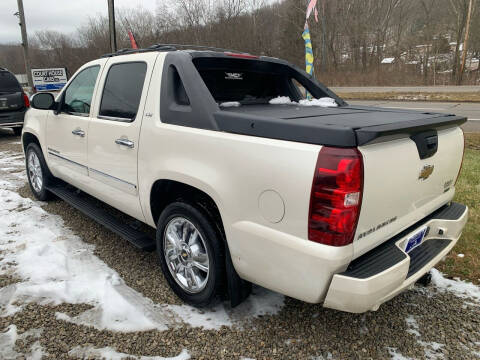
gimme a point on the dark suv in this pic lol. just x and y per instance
(13, 102)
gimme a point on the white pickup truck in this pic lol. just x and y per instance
(251, 172)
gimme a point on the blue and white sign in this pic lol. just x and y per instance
(49, 79)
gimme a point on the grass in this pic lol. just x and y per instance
(468, 193)
(416, 96)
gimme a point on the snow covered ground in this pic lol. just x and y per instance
(55, 266)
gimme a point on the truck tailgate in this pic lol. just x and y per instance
(400, 188)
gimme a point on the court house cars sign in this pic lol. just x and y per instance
(49, 79)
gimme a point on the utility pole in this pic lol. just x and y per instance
(465, 43)
(111, 23)
(23, 27)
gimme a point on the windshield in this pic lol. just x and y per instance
(9, 83)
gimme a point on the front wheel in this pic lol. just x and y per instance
(37, 172)
(191, 253)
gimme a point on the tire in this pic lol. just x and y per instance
(17, 131)
(37, 168)
(202, 288)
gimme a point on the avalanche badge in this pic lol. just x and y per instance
(426, 172)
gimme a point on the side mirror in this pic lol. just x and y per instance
(43, 101)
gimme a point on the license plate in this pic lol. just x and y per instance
(415, 240)
(3, 104)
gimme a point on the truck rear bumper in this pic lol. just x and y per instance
(387, 270)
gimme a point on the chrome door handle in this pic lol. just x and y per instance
(79, 132)
(125, 142)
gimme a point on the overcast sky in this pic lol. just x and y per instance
(60, 15)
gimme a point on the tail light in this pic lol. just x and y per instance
(26, 101)
(241, 55)
(336, 196)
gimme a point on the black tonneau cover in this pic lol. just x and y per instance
(344, 126)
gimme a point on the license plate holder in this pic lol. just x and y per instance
(415, 240)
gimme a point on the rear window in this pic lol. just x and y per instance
(248, 81)
(9, 83)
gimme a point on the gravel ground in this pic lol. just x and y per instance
(420, 323)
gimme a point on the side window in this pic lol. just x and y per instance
(78, 96)
(122, 91)
(301, 89)
(180, 95)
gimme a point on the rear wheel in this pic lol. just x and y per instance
(191, 253)
(17, 131)
(38, 173)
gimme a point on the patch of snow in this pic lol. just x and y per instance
(8, 339)
(12, 170)
(7, 343)
(461, 255)
(281, 100)
(36, 352)
(412, 325)
(213, 319)
(363, 329)
(396, 355)
(321, 357)
(323, 102)
(111, 354)
(60, 268)
(230, 104)
(261, 302)
(462, 289)
(431, 350)
(56, 267)
(389, 60)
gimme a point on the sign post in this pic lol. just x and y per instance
(49, 79)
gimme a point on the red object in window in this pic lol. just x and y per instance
(133, 42)
(26, 100)
(242, 56)
(336, 196)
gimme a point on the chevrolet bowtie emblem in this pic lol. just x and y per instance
(426, 172)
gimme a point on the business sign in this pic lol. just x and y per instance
(49, 79)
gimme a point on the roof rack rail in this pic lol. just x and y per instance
(202, 47)
(169, 47)
(134, 51)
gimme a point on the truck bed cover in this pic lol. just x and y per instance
(344, 126)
